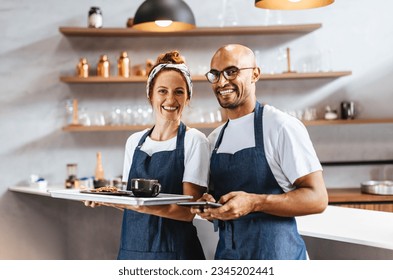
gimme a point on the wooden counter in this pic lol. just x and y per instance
(354, 198)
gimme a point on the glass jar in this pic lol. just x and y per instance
(72, 179)
(95, 17)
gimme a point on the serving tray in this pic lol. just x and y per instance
(161, 199)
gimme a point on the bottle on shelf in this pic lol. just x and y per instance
(75, 117)
(82, 68)
(123, 65)
(288, 56)
(99, 176)
(103, 66)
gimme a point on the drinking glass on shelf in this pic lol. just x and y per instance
(97, 118)
(84, 118)
(321, 60)
(116, 116)
(218, 115)
(310, 114)
(229, 15)
(150, 115)
(281, 61)
(197, 116)
(69, 111)
(209, 116)
(128, 116)
(146, 115)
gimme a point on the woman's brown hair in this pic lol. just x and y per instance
(171, 57)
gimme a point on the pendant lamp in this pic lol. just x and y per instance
(291, 4)
(164, 16)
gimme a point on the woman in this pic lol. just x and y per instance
(174, 154)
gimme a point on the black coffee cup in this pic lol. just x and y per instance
(145, 187)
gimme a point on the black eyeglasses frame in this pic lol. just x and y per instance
(228, 77)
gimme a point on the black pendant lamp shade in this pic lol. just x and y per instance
(164, 16)
(291, 4)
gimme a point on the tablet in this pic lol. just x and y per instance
(200, 204)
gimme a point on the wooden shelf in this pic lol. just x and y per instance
(354, 198)
(201, 78)
(347, 122)
(91, 128)
(358, 162)
(311, 75)
(80, 128)
(96, 79)
(351, 195)
(201, 31)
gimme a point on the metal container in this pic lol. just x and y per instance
(82, 68)
(123, 65)
(377, 187)
(103, 66)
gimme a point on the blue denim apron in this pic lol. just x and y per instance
(148, 237)
(257, 235)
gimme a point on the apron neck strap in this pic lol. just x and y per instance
(258, 128)
(219, 139)
(181, 131)
(258, 125)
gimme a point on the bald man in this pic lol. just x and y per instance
(264, 169)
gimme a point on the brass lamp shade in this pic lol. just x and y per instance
(291, 4)
(164, 16)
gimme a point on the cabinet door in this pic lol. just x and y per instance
(385, 207)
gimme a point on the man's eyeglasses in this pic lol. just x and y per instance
(230, 73)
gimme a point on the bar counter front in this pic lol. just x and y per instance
(341, 231)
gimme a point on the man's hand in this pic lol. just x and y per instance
(235, 205)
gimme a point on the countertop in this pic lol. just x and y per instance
(357, 226)
(351, 195)
(340, 195)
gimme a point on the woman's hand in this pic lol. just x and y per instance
(94, 204)
(91, 204)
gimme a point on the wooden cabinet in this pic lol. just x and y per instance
(203, 31)
(384, 207)
(354, 198)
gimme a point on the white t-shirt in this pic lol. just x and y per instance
(288, 148)
(196, 154)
